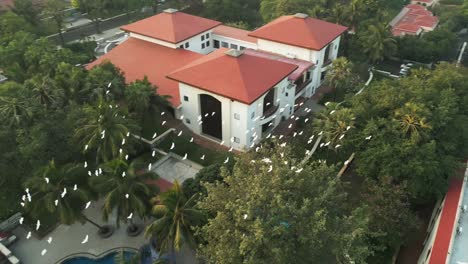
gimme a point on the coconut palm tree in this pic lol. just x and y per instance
(377, 42)
(141, 94)
(53, 191)
(14, 110)
(175, 218)
(413, 121)
(333, 122)
(103, 128)
(43, 90)
(339, 74)
(125, 189)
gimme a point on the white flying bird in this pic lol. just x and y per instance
(270, 168)
(21, 220)
(85, 240)
(191, 139)
(222, 142)
(227, 160)
(164, 122)
(64, 192)
(75, 187)
(245, 216)
(89, 173)
(123, 141)
(128, 134)
(202, 157)
(38, 224)
(185, 157)
(230, 149)
(180, 133)
(46, 180)
(153, 153)
(327, 103)
(56, 202)
(149, 166)
(126, 157)
(126, 195)
(86, 147)
(172, 145)
(321, 132)
(341, 137)
(348, 127)
(28, 236)
(49, 240)
(109, 85)
(85, 164)
(337, 146)
(266, 160)
(130, 216)
(328, 143)
(87, 205)
(43, 252)
(123, 174)
(162, 113)
(332, 112)
(369, 137)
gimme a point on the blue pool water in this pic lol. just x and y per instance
(107, 259)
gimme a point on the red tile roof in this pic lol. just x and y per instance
(6, 4)
(235, 33)
(244, 78)
(447, 222)
(306, 32)
(171, 27)
(302, 65)
(412, 19)
(137, 58)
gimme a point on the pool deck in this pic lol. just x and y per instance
(67, 240)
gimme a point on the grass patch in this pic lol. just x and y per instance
(194, 152)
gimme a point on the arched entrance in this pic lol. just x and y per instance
(210, 109)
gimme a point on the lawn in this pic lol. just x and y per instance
(194, 152)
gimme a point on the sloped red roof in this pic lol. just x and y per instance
(232, 32)
(171, 27)
(447, 222)
(244, 78)
(310, 33)
(6, 4)
(412, 18)
(137, 58)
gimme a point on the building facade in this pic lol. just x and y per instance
(232, 86)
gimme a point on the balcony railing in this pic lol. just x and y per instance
(301, 86)
(270, 111)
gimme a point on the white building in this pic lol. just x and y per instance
(447, 234)
(226, 84)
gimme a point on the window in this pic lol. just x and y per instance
(236, 139)
(203, 37)
(216, 44)
(185, 98)
(207, 35)
(236, 116)
(287, 94)
(253, 115)
(187, 45)
(242, 48)
(308, 75)
(203, 45)
(187, 120)
(181, 46)
(233, 46)
(207, 44)
(224, 44)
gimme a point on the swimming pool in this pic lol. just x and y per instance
(107, 259)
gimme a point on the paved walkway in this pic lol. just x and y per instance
(171, 168)
(67, 240)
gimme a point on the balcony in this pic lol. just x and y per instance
(301, 86)
(269, 114)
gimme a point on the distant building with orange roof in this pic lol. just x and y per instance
(414, 19)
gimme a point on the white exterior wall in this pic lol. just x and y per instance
(314, 56)
(239, 43)
(284, 49)
(195, 43)
(232, 127)
(153, 40)
(432, 231)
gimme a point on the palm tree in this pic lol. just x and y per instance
(333, 122)
(339, 74)
(377, 42)
(139, 96)
(412, 121)
(14, 110)
(43, 89)
(103, 127)
(53, 191)
(175, 218)
(124, 189)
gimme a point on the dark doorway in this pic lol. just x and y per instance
(211, 115)
(268, 101)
